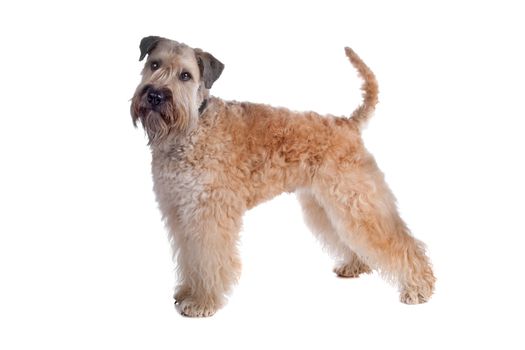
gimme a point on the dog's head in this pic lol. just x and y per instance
(175, 83)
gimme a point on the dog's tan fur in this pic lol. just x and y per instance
(210, 166)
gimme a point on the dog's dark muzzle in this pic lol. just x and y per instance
(156, 97)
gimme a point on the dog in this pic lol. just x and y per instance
(213, 159)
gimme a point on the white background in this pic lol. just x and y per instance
(84, 259)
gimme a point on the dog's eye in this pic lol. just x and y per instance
(155, 65)
(185, 76)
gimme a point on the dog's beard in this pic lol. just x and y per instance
(155, 125)
(158, 124)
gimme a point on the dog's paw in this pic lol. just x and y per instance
(418, 293)
(181, 293)
(414, 296)
(352, 270)
(191, 308)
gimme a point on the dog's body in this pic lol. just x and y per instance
(213, 160)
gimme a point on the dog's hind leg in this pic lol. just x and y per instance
(364, 213)
(349, 264)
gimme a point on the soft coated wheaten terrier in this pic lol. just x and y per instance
(212, 160)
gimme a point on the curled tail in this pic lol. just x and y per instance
(370, 89)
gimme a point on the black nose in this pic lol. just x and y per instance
(156, 98)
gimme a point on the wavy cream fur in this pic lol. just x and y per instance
(210, 167)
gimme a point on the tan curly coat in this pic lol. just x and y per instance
(215, 159)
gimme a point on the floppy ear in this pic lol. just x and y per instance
(147, 45)
(210, 67)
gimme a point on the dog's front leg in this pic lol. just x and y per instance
(205, 244)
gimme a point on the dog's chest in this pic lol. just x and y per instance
(176, 178)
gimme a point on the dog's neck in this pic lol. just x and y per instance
(177, 137)
(203, 106)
